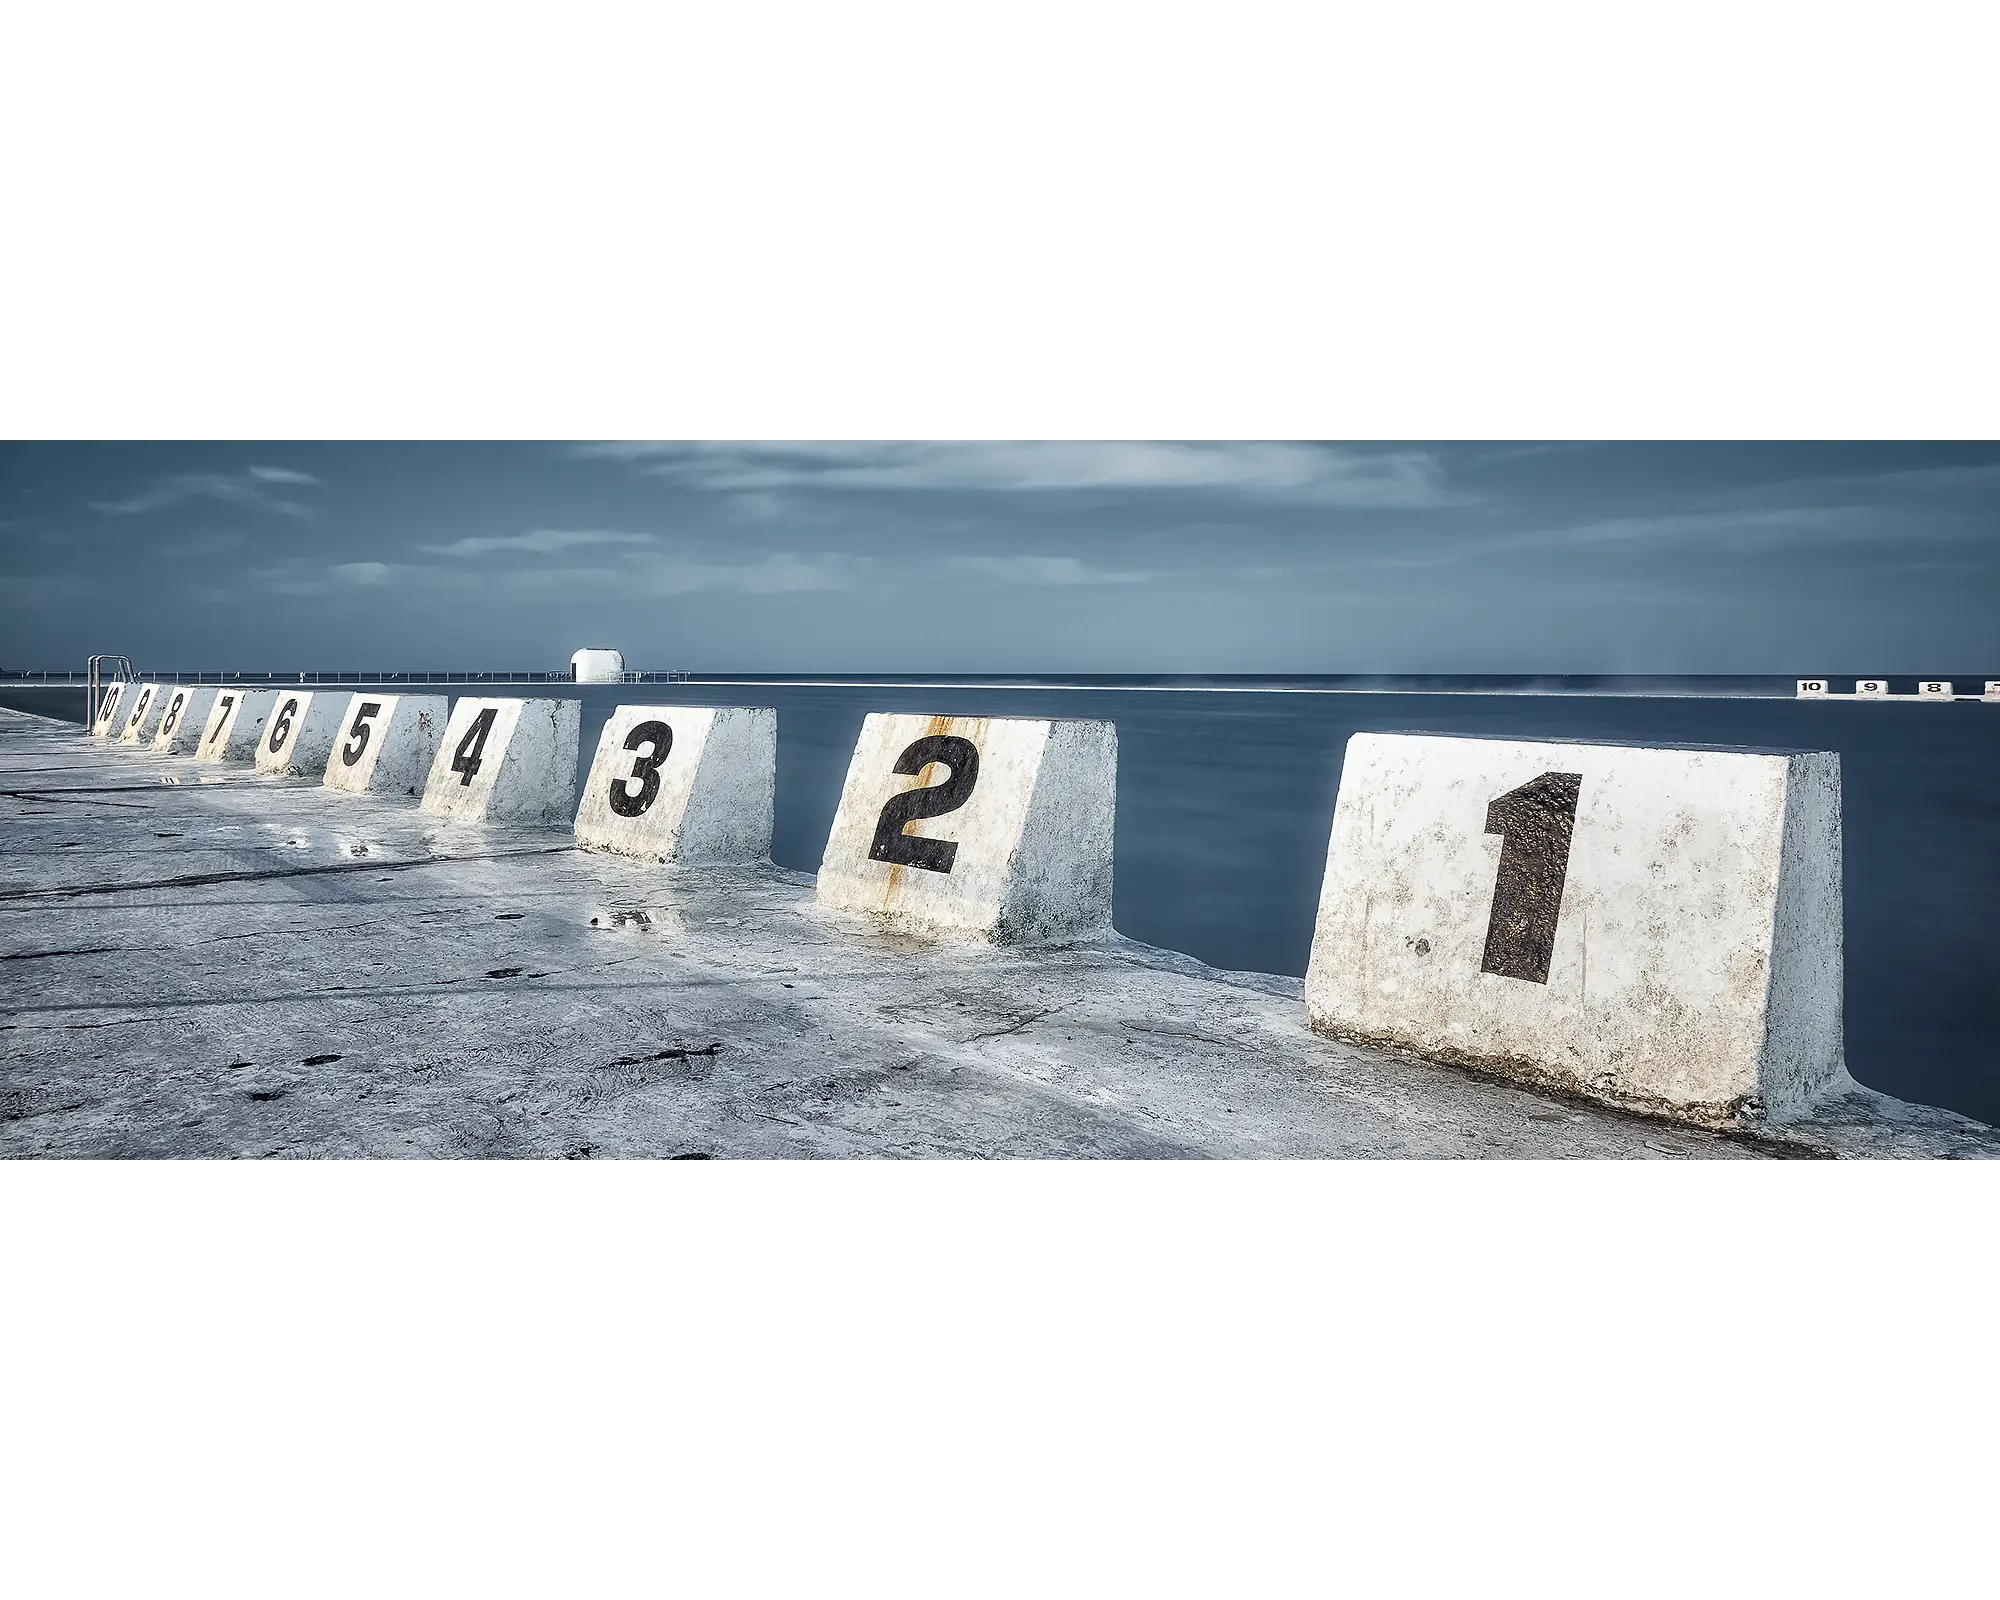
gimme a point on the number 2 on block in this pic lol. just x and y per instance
(1535, 823)
(465, 760)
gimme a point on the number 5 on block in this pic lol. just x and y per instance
(689, 784)
(1657, 928)
(505, 761)
(993, 828)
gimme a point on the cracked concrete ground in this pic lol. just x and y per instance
(195, 961)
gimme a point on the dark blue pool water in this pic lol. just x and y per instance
(1225, 801)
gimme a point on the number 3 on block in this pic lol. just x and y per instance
(505, 761)
(687, 784)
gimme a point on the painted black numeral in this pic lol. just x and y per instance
(465, 761)
(110, 708)
(139, 711)
(646, 770)
(221, 716)
(173, 715)
(282, 727)
(1534, 822)
(908, 850)
(357, 735)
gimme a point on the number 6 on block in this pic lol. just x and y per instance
(992, 828)
(682, 783)
(505, 761)
(1656, 928)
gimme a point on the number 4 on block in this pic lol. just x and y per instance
(505, 761)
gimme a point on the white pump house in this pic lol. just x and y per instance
(597, 666)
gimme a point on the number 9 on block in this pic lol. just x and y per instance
(993, 828)
(688, 784)
(505, 761)
(1657, 928)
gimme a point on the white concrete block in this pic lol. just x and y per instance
(108, 720)
(1871, 689)
(187, 709)
(142, 714)
(235, 724)
(387, 743)
(1812, 688)
(506, 761)
(989, 828)
(1992, 689)
(1656, 928)
(682, 783)
(299, 736)
(1934, 689)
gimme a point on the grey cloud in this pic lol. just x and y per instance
(1058, 572)
(245, 489)
(1315, 474)
(543, 541)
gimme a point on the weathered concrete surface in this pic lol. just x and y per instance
(299, 737)
(692, 784)
(181, 724)
(1010, 841)
(259, 967)
(1664, 934)
(387, 743)
(506, 760)
(236, 725)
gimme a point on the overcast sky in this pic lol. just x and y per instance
(1880, 558)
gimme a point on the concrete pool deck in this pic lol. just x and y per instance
(199, 962)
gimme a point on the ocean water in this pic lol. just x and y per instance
(1225, 800)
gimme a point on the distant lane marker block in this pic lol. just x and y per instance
(1871, 688)
(1992, 690)
(181, 723)
(142, 715)
(1934, 689)
(989, 828)
(235, 725)
(108, 721)
(688, 784)
(506, 761)
(299, 735)
(1812, 688)
(1656, 928)
(387, 743)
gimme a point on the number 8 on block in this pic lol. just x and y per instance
(682, 783)
(1657, 928)
(993, 828)
(505, 761)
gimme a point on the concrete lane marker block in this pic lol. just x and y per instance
(108, 720)
(1992, 690)
(299, 736)
(142, 714)
(387, 743)
(1655, 928)
(989, 828)
(1812, 688)
(682, 783)
(506, 761)
(235, 724)
(1934, 689)
(1871, 688)
(181, 723)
